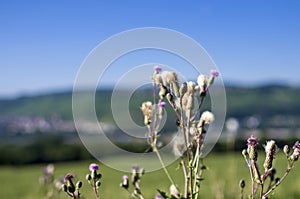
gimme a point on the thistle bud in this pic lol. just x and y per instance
(88, 177)
(242, 184)
(98, 183)
(125, 182)
(252, 143)
(78, 184)
(183, 89)
(286, 150)
(64, 188)
(162, 91)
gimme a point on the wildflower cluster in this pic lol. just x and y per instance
(70, 188)
(94, 178)
(136, 174)
(186, 100)
(258, 180)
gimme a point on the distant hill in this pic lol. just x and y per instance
(264, 101)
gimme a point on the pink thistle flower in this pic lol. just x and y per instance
(94, 167)
(214, 73)
(157, 69)
(252, 141)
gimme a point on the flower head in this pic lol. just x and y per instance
(94, 167)
(68, 177)
(270, 149)
(158, 196)
(161, 104)
(157, 69)
(207, 117)
(252, 141)
(214, 73)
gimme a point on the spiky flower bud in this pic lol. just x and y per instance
(202, 83)
(162, 91)
(252, 143)
(270, 150)
(242, 184)
(98, 183)
(183, 89)
(213, 75)
(125, 182)
(78, 184)
(88, 177)
(286, 150)
(245, 153)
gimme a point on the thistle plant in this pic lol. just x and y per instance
(70, 188)
(186, 100)
(136, 174)
(94, 178)
(260, 186)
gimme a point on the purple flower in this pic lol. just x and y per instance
(125, 177)
(296, 145)
(68, 177)
(252, 141)
(93, 167)
(158, 196)
(161, 104)
(157, 69)
(214, 73)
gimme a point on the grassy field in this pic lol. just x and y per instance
(221, 179)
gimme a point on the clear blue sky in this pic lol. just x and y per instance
(43, 43)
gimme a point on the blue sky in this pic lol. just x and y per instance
(43, 43)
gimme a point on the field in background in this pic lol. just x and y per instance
(221, 179)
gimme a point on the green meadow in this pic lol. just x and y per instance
(221, 179)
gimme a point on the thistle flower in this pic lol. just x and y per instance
(270, 149)
(161, 104)
(214, 73)
(94, 167)
(68, 177)
(211, 79)
(252, 143)
(296, 152)
(157, 69)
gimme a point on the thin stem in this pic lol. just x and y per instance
(242, 193)
(280, 181)
(162, 164)
(95, 189)
(186, 182)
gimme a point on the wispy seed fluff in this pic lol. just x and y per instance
(179, 147)
(202, 83)
(168, 77)
(146, 109)
(271, 150)
(206, 118)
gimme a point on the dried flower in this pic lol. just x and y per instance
(270, 149)
(207, 117)
(202, 83)
(174, 191)
(146, 109)
(94, 167)
(179, 147)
